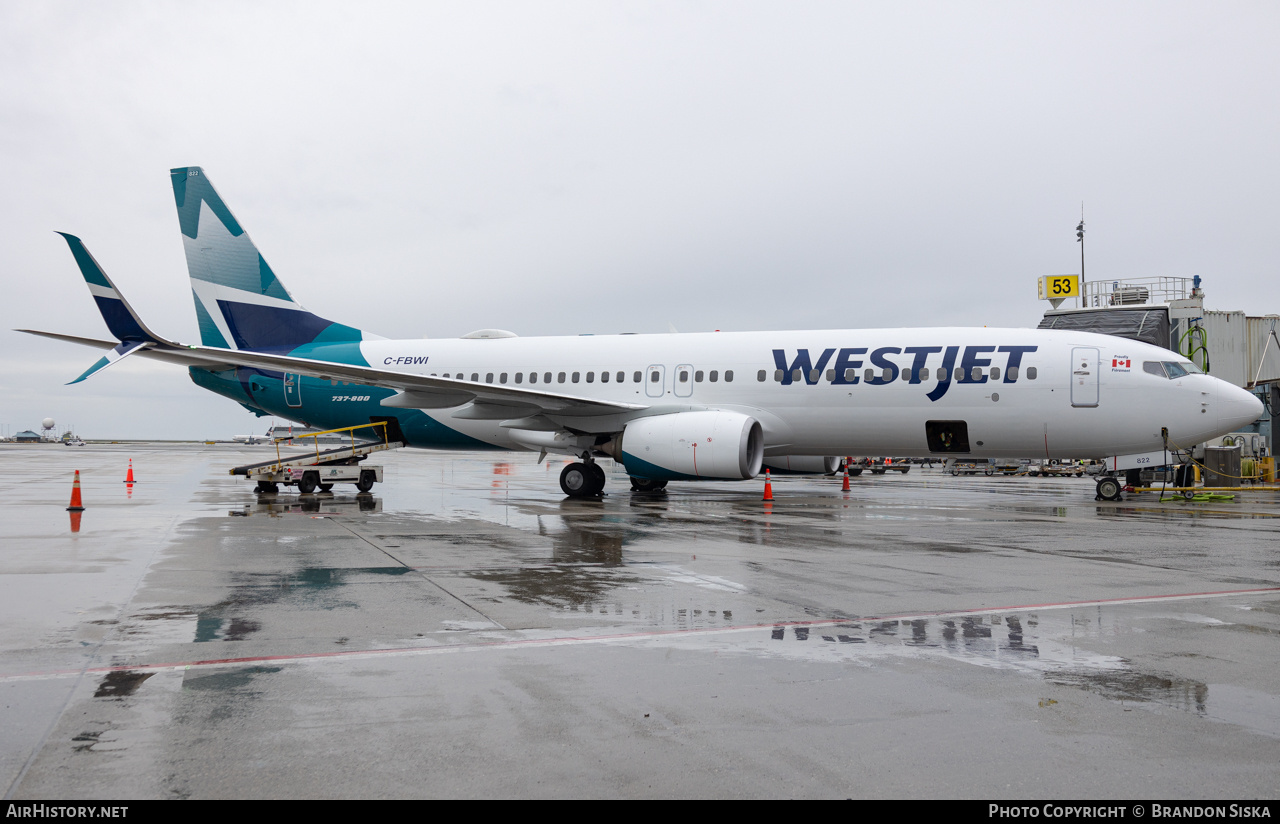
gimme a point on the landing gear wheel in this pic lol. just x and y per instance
(855, 471)
(646, 485)
(578, 480)
(326, 487)
(1109, 489)
(367, 479)
(308, 482)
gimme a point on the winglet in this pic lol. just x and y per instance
(123, 322)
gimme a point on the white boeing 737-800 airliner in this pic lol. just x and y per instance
(704, 406)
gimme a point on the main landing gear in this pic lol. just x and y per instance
(586, 480)
(582, 480)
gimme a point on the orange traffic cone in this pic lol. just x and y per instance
(768, 487)
(129, 478)
(76, 505)
(845, 486)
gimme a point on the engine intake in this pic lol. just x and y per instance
(707, 445)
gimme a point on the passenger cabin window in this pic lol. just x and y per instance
(636, 377)
(813, 375)
(943, 373)
(575, 376)
(713, 375)
(975, 373)
(924, 373)
(995, 373)
(684, 375)
(697, 376)
(886, 375)
(604, 377)
(1031, 373)
(488, 378)
(533, 377)
(759, 376)
(831, 375)
(777, 375)
(519, 377)
(870, 374)
(797, 374)
(475, 377)
(546, 378)
(591, 377)
(1011, 374)
(560, 378)
(850, 375)
(655, 376)
(728, 376)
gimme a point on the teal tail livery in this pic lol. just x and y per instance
(240, 303)
(670, 407)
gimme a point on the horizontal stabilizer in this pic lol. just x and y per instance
(116, 355)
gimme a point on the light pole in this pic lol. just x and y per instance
(1080, 240)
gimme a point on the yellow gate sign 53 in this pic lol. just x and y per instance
(1059, 286)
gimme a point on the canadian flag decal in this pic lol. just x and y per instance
(1120, 362)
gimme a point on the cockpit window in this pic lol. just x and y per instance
(1174, 370)
(1153, 368)
(1191, 368)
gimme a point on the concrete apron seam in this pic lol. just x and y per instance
(418, 572)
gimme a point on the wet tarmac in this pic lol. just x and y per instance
(465, 631)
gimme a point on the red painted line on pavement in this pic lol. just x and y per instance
(583, 639)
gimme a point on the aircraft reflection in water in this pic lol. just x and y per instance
(320, 504)
(1019, 642)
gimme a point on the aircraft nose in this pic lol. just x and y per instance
(1236, 407)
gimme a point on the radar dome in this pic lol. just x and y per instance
(47, 423)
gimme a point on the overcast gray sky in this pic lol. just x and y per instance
(425, 169)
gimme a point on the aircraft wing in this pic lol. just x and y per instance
(488, 401)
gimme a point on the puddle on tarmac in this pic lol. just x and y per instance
(121, 683)
(1033, 645)
(225, 680)
(224, 629)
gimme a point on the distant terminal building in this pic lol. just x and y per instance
(27, 436)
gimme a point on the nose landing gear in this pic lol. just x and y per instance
(1108, 490)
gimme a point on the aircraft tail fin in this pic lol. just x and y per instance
(240, 303)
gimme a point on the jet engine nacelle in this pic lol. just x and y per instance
(707, 445)
(803, 465)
